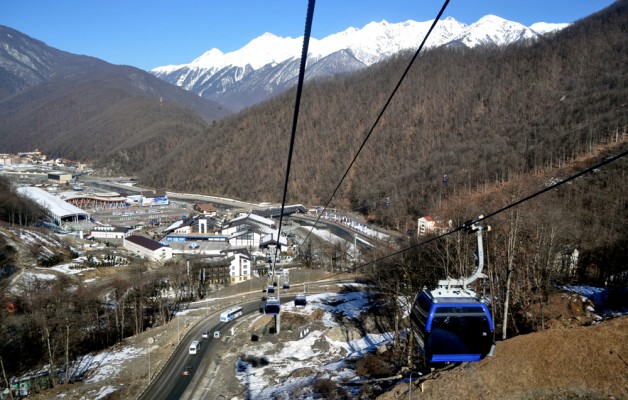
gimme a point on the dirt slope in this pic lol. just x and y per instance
(586, 362)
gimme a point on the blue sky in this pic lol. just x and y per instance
(152, 33)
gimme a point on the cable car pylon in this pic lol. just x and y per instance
(461, 284)
(272, 304)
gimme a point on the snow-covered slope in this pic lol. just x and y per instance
(493, 30)
(268, 64)
(544, 27)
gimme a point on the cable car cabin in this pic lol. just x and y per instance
(272, 306)
(451, 326)
(300, 300)
(270, 290)
(286, 285)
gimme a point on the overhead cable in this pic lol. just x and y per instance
(295, 117)
(466, 225)
(381, 113)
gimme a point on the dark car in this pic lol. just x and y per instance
(187, 370)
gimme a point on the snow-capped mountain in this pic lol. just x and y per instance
(492, 30)
(496, 31)
(268, 65)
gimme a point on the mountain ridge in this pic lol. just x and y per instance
(217, 75)
(84, 108)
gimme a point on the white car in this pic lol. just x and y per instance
(205, 335)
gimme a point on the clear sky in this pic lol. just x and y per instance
(152, 33)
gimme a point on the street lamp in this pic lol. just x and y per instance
(151, 340)
(410, 384)
(355, 253)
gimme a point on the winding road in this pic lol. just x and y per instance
(169, 383)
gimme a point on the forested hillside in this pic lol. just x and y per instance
(15, 209)
(478, 116)
(83, 108)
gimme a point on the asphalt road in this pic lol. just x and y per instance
(169, 383)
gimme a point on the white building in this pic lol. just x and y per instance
(108, 232)
(427, 225)
(55, 208)
(206, 209)
(271, 240)
(246, 231)
(240, 266)
(147, 248)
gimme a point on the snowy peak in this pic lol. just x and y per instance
(543, 28)
(493, 30)
(265, 49)
(261, 51)
(268, 64)
(372, 43)
(211, 57)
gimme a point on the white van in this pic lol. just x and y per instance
(216, 334)
(195, 346)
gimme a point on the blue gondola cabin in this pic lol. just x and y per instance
(451, 327)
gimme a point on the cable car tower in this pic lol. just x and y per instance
(459, 286)
(272, 304)
(451, 323)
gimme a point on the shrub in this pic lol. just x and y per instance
(326, 387)
(373, 366)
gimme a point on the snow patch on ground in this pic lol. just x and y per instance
(599, 297)
(272, 377)
(30, 277)
(327, 235)
(70, 268)
(104, 392)
(103, 366)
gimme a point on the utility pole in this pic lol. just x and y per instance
(355, 253)
(4, 374)
(67, 349)
(277, 323)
